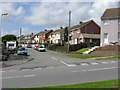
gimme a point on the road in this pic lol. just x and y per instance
(52, 68)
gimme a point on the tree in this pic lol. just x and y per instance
(9, 37)
(66, 34)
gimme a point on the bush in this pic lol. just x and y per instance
(78, 46)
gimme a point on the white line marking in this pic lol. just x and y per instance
(84, 64)
(54, 58)
(72, 65)
(2, 71)
(64, 63)
(96, 69)
(94, 63)
(17, 76)
(104, 62)
(113, 61)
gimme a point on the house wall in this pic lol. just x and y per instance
(55, 38)
(36, 39)
(112, 30)
(91, 28)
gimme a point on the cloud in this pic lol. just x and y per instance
(13, 12)
(54, 15)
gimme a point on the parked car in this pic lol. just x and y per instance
(22, 51)
(29, 46)
(41, 48)
(36, 48)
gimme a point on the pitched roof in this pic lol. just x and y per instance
(82, 25)
(58, 30)
(94, 36)
(111, 13)
(44, 32)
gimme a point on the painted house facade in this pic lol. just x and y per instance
(110, 25)
(85, 32)
(42, 37)
(25, 39)
(57, 36)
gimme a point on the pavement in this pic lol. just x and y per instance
(10, 63)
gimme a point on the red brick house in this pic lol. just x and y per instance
(85, 32)
(42, 37)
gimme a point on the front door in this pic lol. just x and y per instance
(105, 38)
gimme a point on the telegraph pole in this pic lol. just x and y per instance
(20, 35)
(69, 30)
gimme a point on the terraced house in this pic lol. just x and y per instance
(110, 25)
(85, 32)
(42, 37)
(57, 36)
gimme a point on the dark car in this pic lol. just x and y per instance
(22, 51)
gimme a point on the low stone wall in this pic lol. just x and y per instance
(17, 57)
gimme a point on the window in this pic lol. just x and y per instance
(105, 22)
(105, 35)
(72, 32)
(118, 21)
(118, 35)
(78, 31)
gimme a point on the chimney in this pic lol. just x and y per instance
(61, 27)
(80, 22)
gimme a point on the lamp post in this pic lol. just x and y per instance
(69, 30)
(1, 24)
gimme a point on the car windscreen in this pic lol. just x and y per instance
(20, 49)
(41, 47)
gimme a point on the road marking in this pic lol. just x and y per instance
(64, 63)
(84, 64)
(96, 69)
(2, 71)
(17, 76)
(54, 58)
(94, 63)
(104, 62)
(113, 61)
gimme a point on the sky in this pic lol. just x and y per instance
(36, 16)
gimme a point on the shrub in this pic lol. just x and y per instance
(78, 46)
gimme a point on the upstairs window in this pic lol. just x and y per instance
(118, 21)
(118, 35)
(105, 22)
(72, 32)
(78, 31)
(105, 35)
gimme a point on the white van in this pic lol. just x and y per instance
(11, 45)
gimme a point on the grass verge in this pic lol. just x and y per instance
(85, 56)
(82, 50)
(100, 84)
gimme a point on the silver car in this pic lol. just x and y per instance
(41, 48)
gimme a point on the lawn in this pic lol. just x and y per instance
(82, 50)
(85, 56)
(99, 84)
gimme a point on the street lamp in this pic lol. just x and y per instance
(1, 24)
